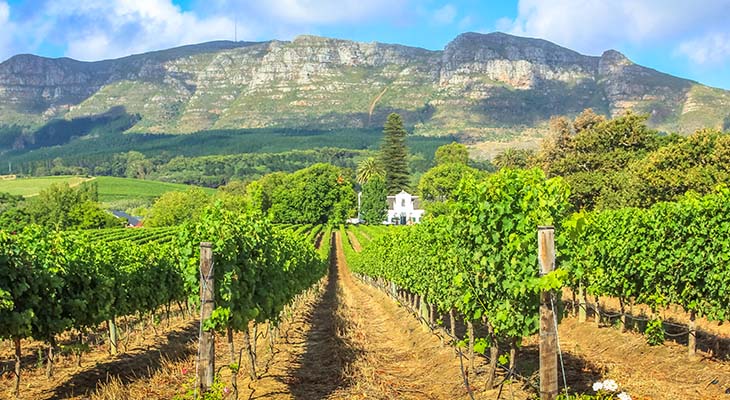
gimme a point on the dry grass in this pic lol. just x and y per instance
(661, 372)
(146, 355)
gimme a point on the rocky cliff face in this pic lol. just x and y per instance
(518, 62)
(480, 84)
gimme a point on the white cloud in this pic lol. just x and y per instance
(6, 31)
(445, 15)
(592, 26)
(114, 28)
(712, 48)
(327, 11)
(98, 29)
(4, 12)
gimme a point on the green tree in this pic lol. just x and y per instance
(236, 187)
(698, 163)
(593, 154)
(89, 215)
(367, 169)
(260, 193)
(234, 196)
(440, 182)
(374, 206)
(138, 166)
(174, 208)
(319, 194)
(556, 143)
(52, 207)
(394, 154)
(452, 153)
(514, 158)
(587, 120)
(9, 201)
(232, 201)
(64, 207)
(438, 185)
(14, 219)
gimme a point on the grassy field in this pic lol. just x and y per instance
(31, 186)
(113, 188)
(110, 188)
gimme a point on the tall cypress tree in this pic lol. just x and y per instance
(393, 154)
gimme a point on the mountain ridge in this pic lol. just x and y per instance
(490, 86)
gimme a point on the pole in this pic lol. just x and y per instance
(692, 338)
(548, 334)
(206, 349)
(113, 349)
(359, 217)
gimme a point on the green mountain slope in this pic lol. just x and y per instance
(481, 86)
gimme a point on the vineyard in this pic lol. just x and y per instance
(478, 265)
(449, 308)
(53, 282)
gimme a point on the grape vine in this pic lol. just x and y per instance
(481, 258)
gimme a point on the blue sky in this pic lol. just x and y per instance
(686, 38)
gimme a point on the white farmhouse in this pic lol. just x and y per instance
(403, 209)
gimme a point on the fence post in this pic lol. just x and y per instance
(548, 334)
(206, 351)
(582, 304)
(692, 336)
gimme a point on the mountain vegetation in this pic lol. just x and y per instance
(479, 87)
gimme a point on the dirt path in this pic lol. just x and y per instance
(354, 342)
(355, 243)
(81, 180)
(146, 356)
(398, 358)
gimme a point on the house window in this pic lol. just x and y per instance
(403, 202)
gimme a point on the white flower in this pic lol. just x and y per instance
(624, 396)
(610, 385)
(597, 386)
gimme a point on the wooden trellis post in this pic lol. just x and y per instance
(548, 334)
(206, 351)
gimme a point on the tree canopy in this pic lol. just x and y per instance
(58, 206)
(591, 153)
(369, 168)
(374, 200)
(452, 153)
(174, 208)
(394, 154)
(438, 184)
(319, 194)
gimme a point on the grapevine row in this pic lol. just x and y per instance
(54, 281)
(672, 253)
(480, 259)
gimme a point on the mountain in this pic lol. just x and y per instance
(482, 86)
